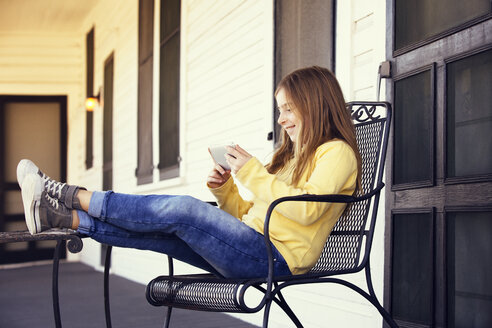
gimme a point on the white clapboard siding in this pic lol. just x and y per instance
(31, 59)
(226, 95)
(116, 33)
(226, 98)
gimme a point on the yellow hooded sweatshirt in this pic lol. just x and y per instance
(297, 229)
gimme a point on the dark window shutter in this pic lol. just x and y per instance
(145, 58)
(169, 89)
(89, 93)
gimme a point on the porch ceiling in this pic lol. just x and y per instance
(43, 16)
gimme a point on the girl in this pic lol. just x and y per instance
(318, 155)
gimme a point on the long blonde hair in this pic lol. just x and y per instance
(317, 99)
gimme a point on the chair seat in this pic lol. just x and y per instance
(200, 292)
(207, 292)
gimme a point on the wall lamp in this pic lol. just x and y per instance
(92, 101)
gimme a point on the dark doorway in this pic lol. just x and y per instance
(33, 127)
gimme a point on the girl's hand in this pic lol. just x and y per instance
(218, 176)
(236, 157)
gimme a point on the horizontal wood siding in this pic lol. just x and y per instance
(226, 95)
(225, 92)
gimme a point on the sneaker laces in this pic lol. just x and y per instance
(43, 176)
(53, 187)
(53, 201)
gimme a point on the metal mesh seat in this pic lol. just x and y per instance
(346, 250)
(195, 292)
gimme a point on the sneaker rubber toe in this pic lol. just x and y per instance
(32, 188)
(24, 168)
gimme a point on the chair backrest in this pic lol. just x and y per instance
(348, 246)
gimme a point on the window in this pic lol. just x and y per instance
(145, 167)
(169, 89)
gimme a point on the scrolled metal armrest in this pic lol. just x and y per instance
(74, 244)
(331, 198)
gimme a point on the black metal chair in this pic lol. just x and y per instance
(347, 249)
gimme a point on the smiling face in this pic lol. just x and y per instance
(287, 119)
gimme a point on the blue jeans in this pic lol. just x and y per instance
(183, 227)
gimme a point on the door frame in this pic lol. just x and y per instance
(426, 50)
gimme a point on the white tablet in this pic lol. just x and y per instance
(218, 154)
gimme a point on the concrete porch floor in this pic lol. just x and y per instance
(25, 301)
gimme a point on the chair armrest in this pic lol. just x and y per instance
(73, 238)
(332, 198)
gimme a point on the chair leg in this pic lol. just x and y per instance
(107, 266)
(371, 298)
(168, 317)
(266, 314)
(386, 316)
(169, 308)
(284, 306)
(54, 285)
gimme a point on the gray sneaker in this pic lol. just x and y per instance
(63, 192)
(42, 211)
